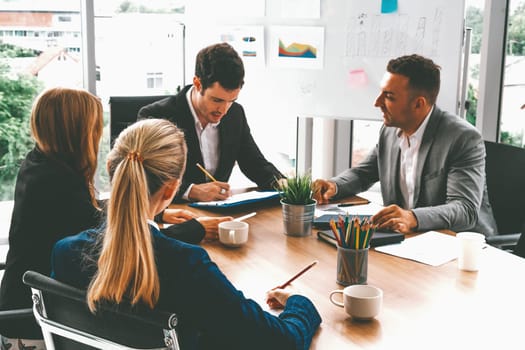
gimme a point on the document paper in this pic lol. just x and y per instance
(431, 248)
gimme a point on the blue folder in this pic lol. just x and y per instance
(238, 199)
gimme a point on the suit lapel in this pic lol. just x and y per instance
(389, 158)
(224, 137)
(394, 178)
(187, 123)
(426, 143)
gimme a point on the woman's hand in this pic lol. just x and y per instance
(177, 216)
(277, 298)
(211, 225)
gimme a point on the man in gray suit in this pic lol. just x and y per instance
(431, 164)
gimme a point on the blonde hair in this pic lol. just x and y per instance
(146, 155)
(67, 126)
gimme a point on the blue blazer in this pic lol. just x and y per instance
(213, 314)
(450, 189)
(236, 143)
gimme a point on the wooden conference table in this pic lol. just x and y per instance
(424, 307)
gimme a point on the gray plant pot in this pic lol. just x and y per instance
(298, 219)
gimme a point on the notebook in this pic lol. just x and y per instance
(378, 238)
(323, 222)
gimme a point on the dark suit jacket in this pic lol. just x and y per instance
(236, 143)
(51, 202)
(213, 313)
(450, 189)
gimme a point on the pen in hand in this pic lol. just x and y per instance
(210, 176)
(273, 302)
(287, 283)
(244, 217)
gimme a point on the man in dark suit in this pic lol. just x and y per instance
(431, 164)
(215, 126)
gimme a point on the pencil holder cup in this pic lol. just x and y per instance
(352, 266)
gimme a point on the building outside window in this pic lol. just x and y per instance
(154, 80)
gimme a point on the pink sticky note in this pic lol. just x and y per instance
(357, 78)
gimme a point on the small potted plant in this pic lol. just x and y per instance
(298, 205)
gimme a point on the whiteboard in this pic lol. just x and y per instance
(357, 41)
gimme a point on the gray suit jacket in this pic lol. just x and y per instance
(450, 189)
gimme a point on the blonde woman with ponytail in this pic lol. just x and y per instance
(131, 261)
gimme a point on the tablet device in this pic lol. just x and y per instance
(378, 238)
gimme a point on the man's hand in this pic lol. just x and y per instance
(323, 190)
(210, 191)
(211, 225)
(396, 219)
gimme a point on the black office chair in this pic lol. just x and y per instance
(505, 171)
(519, 250)
(67, 323)
(15, 318)
(123, 111)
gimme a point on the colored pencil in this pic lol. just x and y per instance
(297, 275)
(206, 172)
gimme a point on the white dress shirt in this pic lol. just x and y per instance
(409, 147)
(208, 141)
(154, 224)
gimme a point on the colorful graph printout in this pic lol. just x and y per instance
(248, 41)
(297, 47)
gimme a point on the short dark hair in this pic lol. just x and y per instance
(422, 73)
(220, 63)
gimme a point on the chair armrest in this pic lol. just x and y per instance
(16, 314)
(506, 241)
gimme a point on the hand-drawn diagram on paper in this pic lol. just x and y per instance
(379, 35)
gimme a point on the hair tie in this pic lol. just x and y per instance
(134, 155)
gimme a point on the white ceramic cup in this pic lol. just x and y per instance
(233, 233)
(470, 248)
(361, 301)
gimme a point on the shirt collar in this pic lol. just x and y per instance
(154, 224)
(418, 135)
(194, 114)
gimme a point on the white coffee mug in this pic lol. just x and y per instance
(233, 233)
(361, 301)
(470, 249)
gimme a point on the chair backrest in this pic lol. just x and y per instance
(67, 323)
(123, 111)
(505, 171)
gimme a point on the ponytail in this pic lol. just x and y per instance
(145, 156)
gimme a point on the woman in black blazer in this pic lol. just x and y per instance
(54, 195)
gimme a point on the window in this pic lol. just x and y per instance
(28, 66)
(154, 80)
(474, 21)
(365, 134)
(64, 18)
(512, 113)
